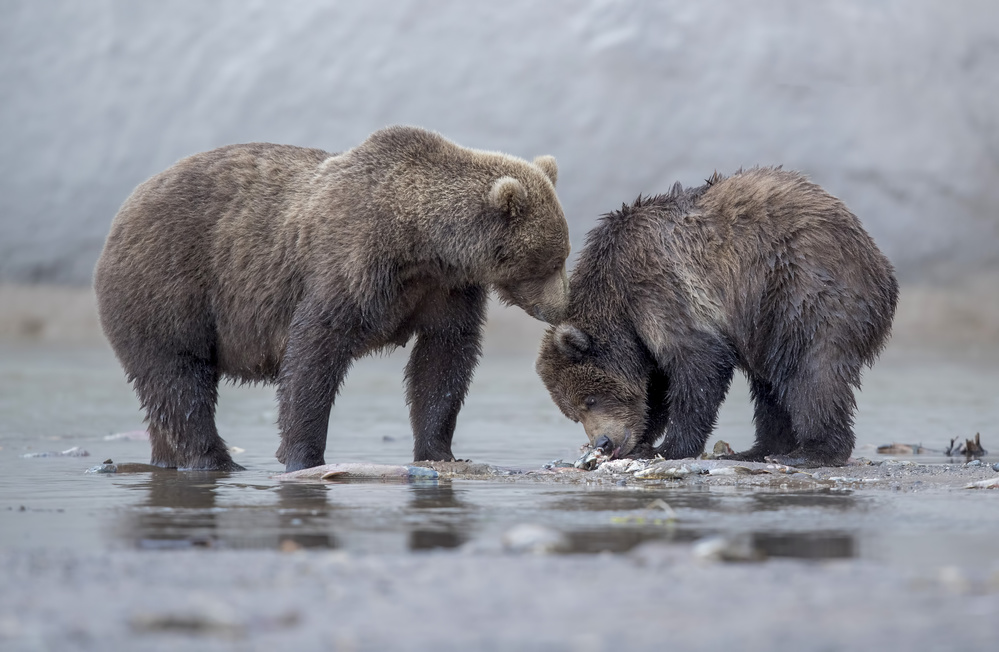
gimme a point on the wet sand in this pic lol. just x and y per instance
(891, 555)
(652, 598)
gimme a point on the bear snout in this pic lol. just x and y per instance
(554, 300)
(614, 439)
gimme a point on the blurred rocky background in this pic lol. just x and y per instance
(891, 105)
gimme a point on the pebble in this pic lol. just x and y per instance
(536, 539)
(727, 548)
(995, 467)
(974, 463)
(107, 467)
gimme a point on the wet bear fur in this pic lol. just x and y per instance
(273, 263)
(761, 271)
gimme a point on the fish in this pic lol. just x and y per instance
(359, 471)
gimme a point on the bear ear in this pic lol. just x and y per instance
(549, 167)
(571, 341)
(508, 195)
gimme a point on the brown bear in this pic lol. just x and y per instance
(273, 263)
(763, 271)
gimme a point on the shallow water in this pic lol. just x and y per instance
(52, 399)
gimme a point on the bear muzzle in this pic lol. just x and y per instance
(554, 300)
(546, 299)
(615, 439)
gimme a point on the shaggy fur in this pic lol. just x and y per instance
(272, 263)
(763, 271)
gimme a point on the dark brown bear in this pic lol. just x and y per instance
(273, 263)
(763, 271)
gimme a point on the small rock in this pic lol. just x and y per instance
(727, 548)
(288, 545)
(974, 463)
(107, 467)
(720, 448)
(995, 467)
(954, 579)
(536, 539)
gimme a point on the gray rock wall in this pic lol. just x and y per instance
(892, 105)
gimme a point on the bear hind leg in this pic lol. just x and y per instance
(179, 397)
(821, 409)
(774, 430)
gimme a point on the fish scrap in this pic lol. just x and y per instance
(360, 471)
(991, 483)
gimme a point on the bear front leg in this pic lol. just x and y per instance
(698, 381)
(656, 415)
(315, 363)
(439, 372)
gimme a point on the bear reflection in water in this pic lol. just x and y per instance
(183, 510)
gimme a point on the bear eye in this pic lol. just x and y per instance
(589, 401)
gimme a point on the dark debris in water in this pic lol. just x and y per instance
(968, 448)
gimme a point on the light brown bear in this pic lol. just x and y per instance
(274, 263)
(763, 271)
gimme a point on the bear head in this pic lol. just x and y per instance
(528, 261)
(481, 217)
(602, 380)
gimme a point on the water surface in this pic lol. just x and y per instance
(52, 399)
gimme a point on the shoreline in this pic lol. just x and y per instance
(958, 318)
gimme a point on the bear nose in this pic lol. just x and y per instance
(604, 443)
